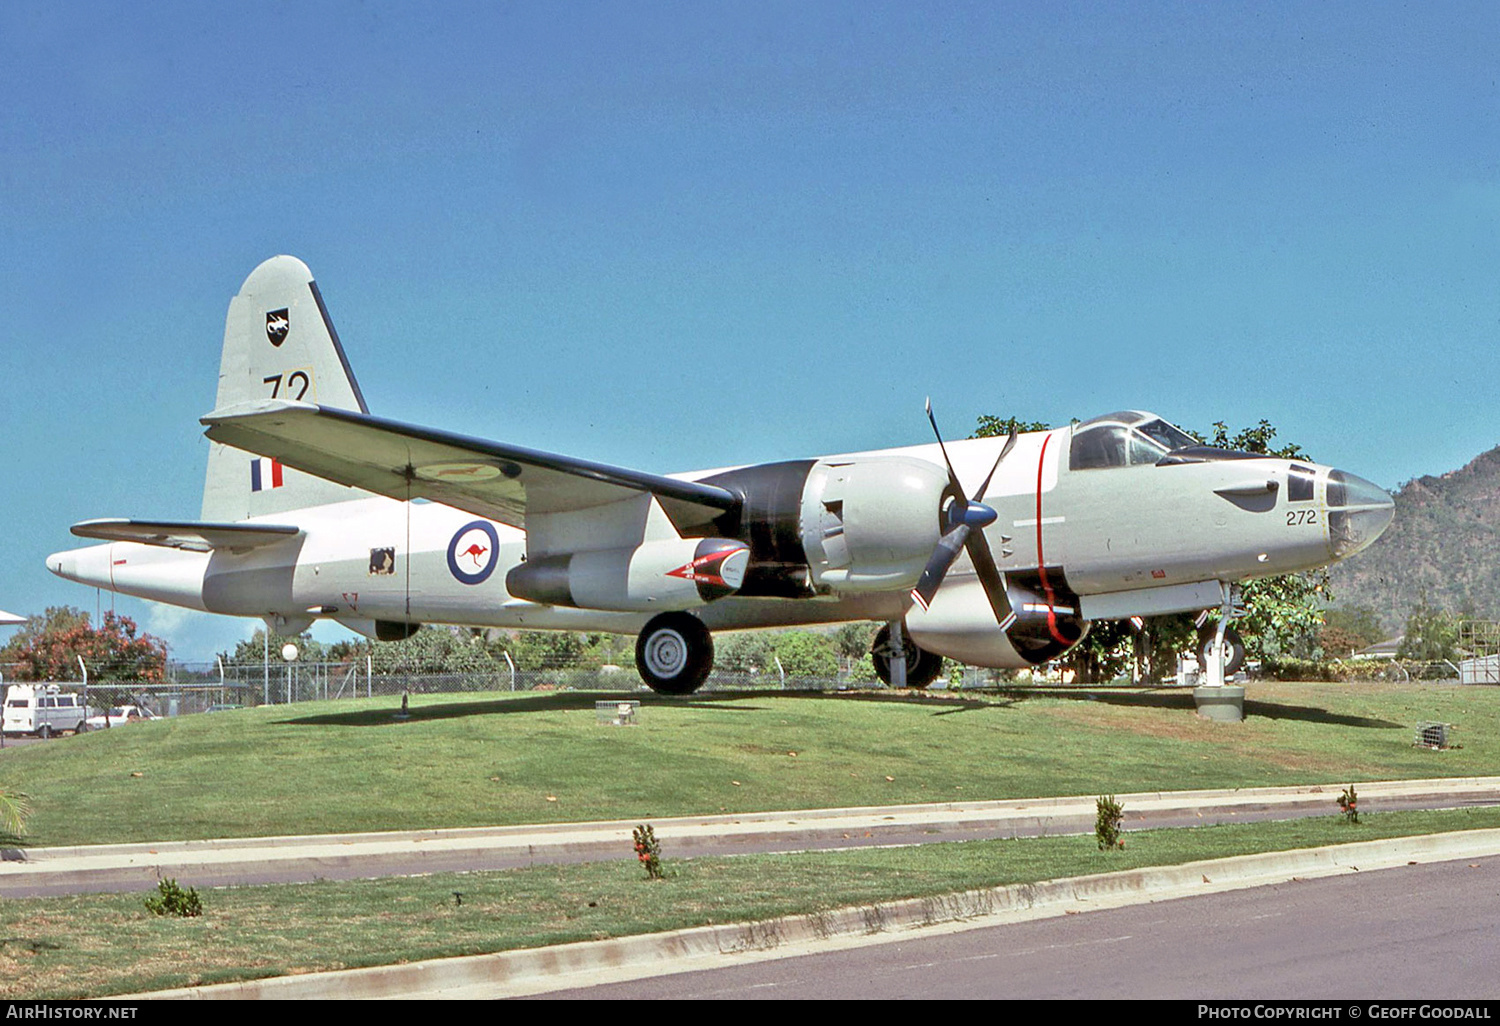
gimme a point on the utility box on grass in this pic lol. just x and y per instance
(618, 712)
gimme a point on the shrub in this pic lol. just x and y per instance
(1287, 668)
(1107, 823)
(172, 900)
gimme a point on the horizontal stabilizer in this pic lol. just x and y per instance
(189, 535)
(490, 479)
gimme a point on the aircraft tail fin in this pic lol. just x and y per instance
(279, 343)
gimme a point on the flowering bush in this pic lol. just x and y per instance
(648, 851)
(1349, 802)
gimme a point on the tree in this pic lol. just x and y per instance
(1104, 652)
(1254, 439)
(49, 646)
(254, 649)
(439, 650)
(542, 650)
(997, 427)
(1431, 634)
(851, 642)
(745, 652)
(1346, 631)
(806, 654)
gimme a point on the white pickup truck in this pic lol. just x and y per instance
(118, 716)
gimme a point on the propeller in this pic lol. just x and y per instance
(964, 521)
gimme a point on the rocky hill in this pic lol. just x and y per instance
(1444, 544)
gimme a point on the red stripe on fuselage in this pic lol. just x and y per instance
(1041, 564)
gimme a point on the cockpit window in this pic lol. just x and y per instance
(1168, 435)
(1126, 439)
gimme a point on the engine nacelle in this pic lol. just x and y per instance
(959, 624)
(871, 524)
(680, 573)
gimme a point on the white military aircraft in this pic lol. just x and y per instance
(997, 552)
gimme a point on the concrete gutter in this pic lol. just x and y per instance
(537, 970)
(44, 871)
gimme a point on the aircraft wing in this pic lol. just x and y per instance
(490, 479)
(191, 536)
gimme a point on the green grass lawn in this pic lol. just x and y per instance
(532, 758)
(95, 945)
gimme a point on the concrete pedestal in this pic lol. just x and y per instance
(1226, 704)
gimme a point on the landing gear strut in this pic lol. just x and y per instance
(895, 656)
(1221, 650)
(1220, 653)
(674, 653)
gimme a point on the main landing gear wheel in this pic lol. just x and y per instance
(674, 653)
(922, 667)
(1234, 650)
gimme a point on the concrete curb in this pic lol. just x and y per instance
(536, 970)
(245, 860)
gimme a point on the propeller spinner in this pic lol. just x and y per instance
(964, 520)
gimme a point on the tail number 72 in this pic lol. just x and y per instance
(297, 383)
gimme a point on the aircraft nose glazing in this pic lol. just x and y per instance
(1358, 512)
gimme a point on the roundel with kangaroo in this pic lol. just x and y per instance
(473, 552)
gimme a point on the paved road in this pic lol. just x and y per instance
(1421, 932)
(914, 921)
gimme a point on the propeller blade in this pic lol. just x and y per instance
(948, 548)
(952, 477)
(969, 518)
(1010, 443)
(992, 580)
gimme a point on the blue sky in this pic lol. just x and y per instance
(685, 235)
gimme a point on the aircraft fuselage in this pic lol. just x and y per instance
(1106, 542)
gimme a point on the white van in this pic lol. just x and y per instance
(43, 710)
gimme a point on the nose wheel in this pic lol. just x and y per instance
(1234, 650)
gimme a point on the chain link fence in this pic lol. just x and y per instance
(210, 686)
(259, 683)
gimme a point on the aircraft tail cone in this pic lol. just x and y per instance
(90, 565)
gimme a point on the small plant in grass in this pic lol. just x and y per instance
(648, 851)
(1107, 823)
(172, 900)
(14, 808)
(1349, 802)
